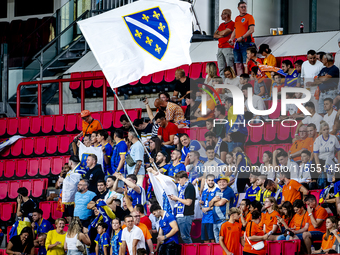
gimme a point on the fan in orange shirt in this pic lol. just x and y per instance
(269, 218)
(245, 211)
(230, 233)
(329, 238)
(291, 190)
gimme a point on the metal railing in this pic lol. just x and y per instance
(61, 82)
(99, 6)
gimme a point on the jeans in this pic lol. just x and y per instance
(74, 252)
(184, 224)
(323, 95)
(240, 52)
(225, 57)
(217, 228)
(232, 145)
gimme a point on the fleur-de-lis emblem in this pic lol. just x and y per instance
(138, 34)
(158, 49)
(148, 40)
(156, 15)
(161, 27)
(145, 18)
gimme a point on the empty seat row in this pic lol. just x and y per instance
(67, 123)
(49, 209)
(39, 146)
(12, 168)
(35, 187)
(255, 152)
(7, 209)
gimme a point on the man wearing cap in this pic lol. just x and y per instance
(89, 124)
(221, 204)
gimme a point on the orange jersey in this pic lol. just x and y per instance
(248, 217)
(254, 231)
(242, 25)
(290, 191)
(297, 146)
(223, 42)
(145, 230)
(325, 245)
(308, 144)
(95, 125)
(269, 220)
(231, 233)
(270, 60)
(299, 221)
(319, 213)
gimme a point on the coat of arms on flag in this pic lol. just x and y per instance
(150, 31)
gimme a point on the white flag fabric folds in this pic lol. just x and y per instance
(9, 141)
(139, 39)
(84, 152)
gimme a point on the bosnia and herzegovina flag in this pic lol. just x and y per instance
(105, 214)
(140, 38)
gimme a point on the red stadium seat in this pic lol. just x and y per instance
(56, 165)
(96, 116)
(63, 144)
(186, 69)
(28, 185)
(269, 132)
(107, 119)
(283, 146)
(291, 58)
(256, 132)
(12, 126)
(98, 83)
(316, 193)
(46, 207)
(134, 83)
(88, 83)
(216, 249)
(170, 75)
(71, 122)
(252, 152)
(13, 187)
(196, 229)
(40, 145)
(39, 185)
(283, 132)
(158, 77)
(51, 145)
(274, 247)
(293, 130)
(58, 123)
(3, 190)
(75, 84)
(24, 125)
(35, 125)
(79, 124)
(16, 148)
(21, 167)
(291, 247)
(55, 213)
(301, 57)
(201, 133)
(7, 210)
(189, 249)
(32, 166)
(45, 166)
(3, 126)
(195, 70)
(2, 166)
(28, 146)
(47, 124)
(276, 114)
(204, 249)
(146, 79)
(9, 168)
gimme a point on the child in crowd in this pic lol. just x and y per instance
(244, 79)
(209, 124)
(252, 60)
(277, 83)
(116, 239)
(102, 240)
(260, 88)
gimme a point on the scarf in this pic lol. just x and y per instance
(181, 206)
(218, 145)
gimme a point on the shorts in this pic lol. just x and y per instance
(207, 231)
(316, 235)
(69, 209)
(240, 54)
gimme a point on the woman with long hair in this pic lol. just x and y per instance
(288, 212)
(116, 239)
(230, 77)
(155, 146)
(269, 219)
(328, 238)
(269, 59)
(211, 71)
(266, 168)
(73, 234)
(21, 244)
(177, 142)
(56, 238)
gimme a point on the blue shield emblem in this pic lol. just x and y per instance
(150, 31)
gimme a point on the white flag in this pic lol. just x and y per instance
(140, 38)
(9, 141)
(84, 152)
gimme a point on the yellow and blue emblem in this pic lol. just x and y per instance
(150, 30)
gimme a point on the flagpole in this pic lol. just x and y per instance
(133, 127)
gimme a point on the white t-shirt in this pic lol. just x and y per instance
(135, 233)
(258, 103)
(113, 193)
(137, 153)
(315, 119)
(70, 186)
(308, 71)
(303, 175)
(330, 119)
(326, 148)
(235, 81)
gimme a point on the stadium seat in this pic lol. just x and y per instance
(33, 167)
(16, 148)
(28, 146)
(204, 249)
(170, 75)
(21, 167)
(276, 114)
(283, 133)
(45, 166)
(316, 193)
(256, 132)
(12, 126)
(196, 229)
(7, 210)
(47, 124)
(56, 165)
(201, 133)
(291, 58)
(24, 125)
(13, 187)
(3, 126)
(107, 119)
(46, 207)
(291, 247)
(301, 57)
(293, 130)
(274, 247)
(40, 145)
(28, 185)
(252, 152)
(79, 124)
(35, 125)
(63, 144)
(55, 213)
(158, 77)
(39, 185)
(96, 115)
(269, 131)
(88, 83)
(189, 249)
(133, 114)
(51, 145)
(75, 84)
(2, 166)
(59, 123)
(98, 83)
(186, 69)
(9, 170)
(283, 146)
(146, 79)
(195, 70)
(3, 189)
(216, 248)
(71, 122)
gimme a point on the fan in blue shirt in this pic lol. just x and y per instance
(253, 189)
(40, 225)
(102, 240)
(102, 136)
(291, 78)
(118, 153)
(174, 167)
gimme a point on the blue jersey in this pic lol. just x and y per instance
(164, 224)
(185, 151)
(196, 146)
(219, 212)
(119, 149)
(171, 170)
(337, 189)
(206, 198)
(43, 227)
(291, 79)
(116, 241)
(251, 193)
(42, 250)
(136, 197)
(102, 241)
(195, 171)
(108, 152)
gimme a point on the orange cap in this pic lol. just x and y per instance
(85, 113)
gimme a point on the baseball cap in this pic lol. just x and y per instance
(85, 113)
(223, 178)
